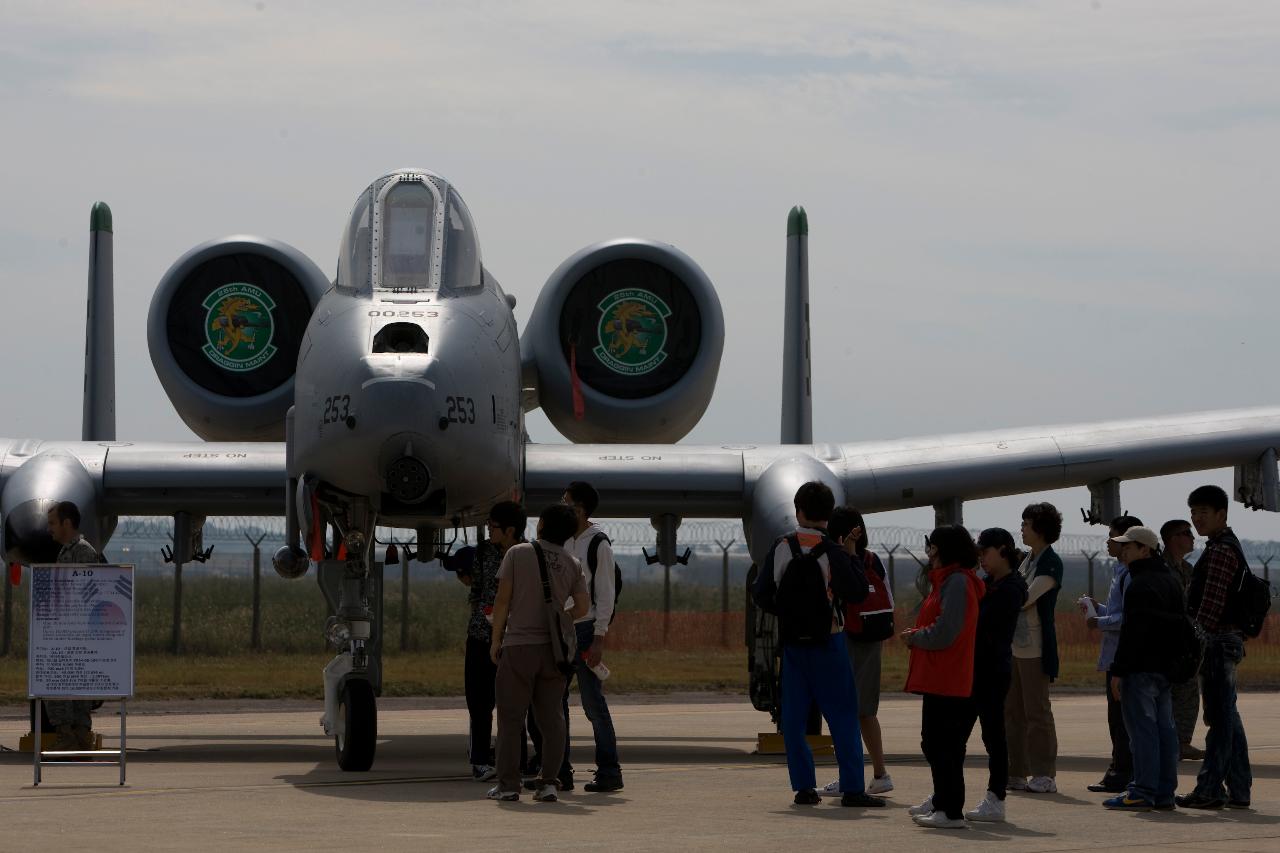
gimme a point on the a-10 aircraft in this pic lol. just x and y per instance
(395, 395)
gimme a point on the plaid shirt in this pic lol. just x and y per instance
(1218, 566)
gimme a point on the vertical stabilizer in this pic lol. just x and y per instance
(797, 391)
(99, 423)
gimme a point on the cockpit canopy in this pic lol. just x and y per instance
(410, 231)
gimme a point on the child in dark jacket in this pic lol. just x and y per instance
(1005, 593)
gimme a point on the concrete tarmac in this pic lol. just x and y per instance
(261, 776)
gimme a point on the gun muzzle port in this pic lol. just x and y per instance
(408, 480)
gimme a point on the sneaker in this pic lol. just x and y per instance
(1016, 783)
(831, 789)
(495, 793)
(990, 809)
(1128, 802)
(1165, 807)
(880, 784)
(596, 786)
(1198, 801)
(1042, 785)
(939, 820)
(483, 772)
(924, 808)
(861, 800)
(564, 783)
(1108, 786)
(807, 798)
(546, 794)
(1187, 752)
(1239, 804)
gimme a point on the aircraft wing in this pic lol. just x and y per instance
(756, 482)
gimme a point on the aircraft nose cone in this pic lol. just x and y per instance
(26, 535)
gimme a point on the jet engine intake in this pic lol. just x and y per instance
(624, 344)
(224, 331)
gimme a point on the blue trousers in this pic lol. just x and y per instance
(596, 708)
(821, 675)
(1226, 748)
(1147, 705)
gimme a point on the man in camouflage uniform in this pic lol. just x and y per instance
(1179, 541)
(71, 719)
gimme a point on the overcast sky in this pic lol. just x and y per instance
(1020, 213)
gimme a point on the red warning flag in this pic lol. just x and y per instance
(15, 573)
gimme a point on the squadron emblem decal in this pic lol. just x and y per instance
(633, 332)
(239, 327)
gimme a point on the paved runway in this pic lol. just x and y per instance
(260, 776)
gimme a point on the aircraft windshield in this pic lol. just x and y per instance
(408, 231)
(354, 267)
(461, 248)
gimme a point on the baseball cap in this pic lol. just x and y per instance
(1141, 535)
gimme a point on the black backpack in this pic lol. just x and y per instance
(592, 559)
(1250, 601)
(803, 603)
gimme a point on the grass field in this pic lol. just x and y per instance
(281, 676)
(216, 661)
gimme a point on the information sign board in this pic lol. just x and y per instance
(81, 631)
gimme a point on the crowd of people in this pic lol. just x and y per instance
(983, 650)
(540, 616)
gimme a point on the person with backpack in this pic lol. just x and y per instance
(941, 670)
(805, 582)
(1145, 663)
(1213, 603)
(590, 545)
(1108, 619)
(866, 626)
(534, 582)
(1003, 595)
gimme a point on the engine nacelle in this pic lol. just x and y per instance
(624, 344)
(224, 330)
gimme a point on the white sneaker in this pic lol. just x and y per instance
(1042, 785)
(880, 784)
(831, 789)
(990, 809)
(939, 820)
(923, 809)
(504, 796)
(1016, 783)
(483, 772)
(546, 794)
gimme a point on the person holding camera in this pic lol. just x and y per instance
(529, 671)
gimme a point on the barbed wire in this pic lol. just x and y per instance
(698, 534)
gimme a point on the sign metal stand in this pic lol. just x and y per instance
(80, 649)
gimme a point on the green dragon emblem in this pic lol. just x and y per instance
(239, 327)
(633, 332)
